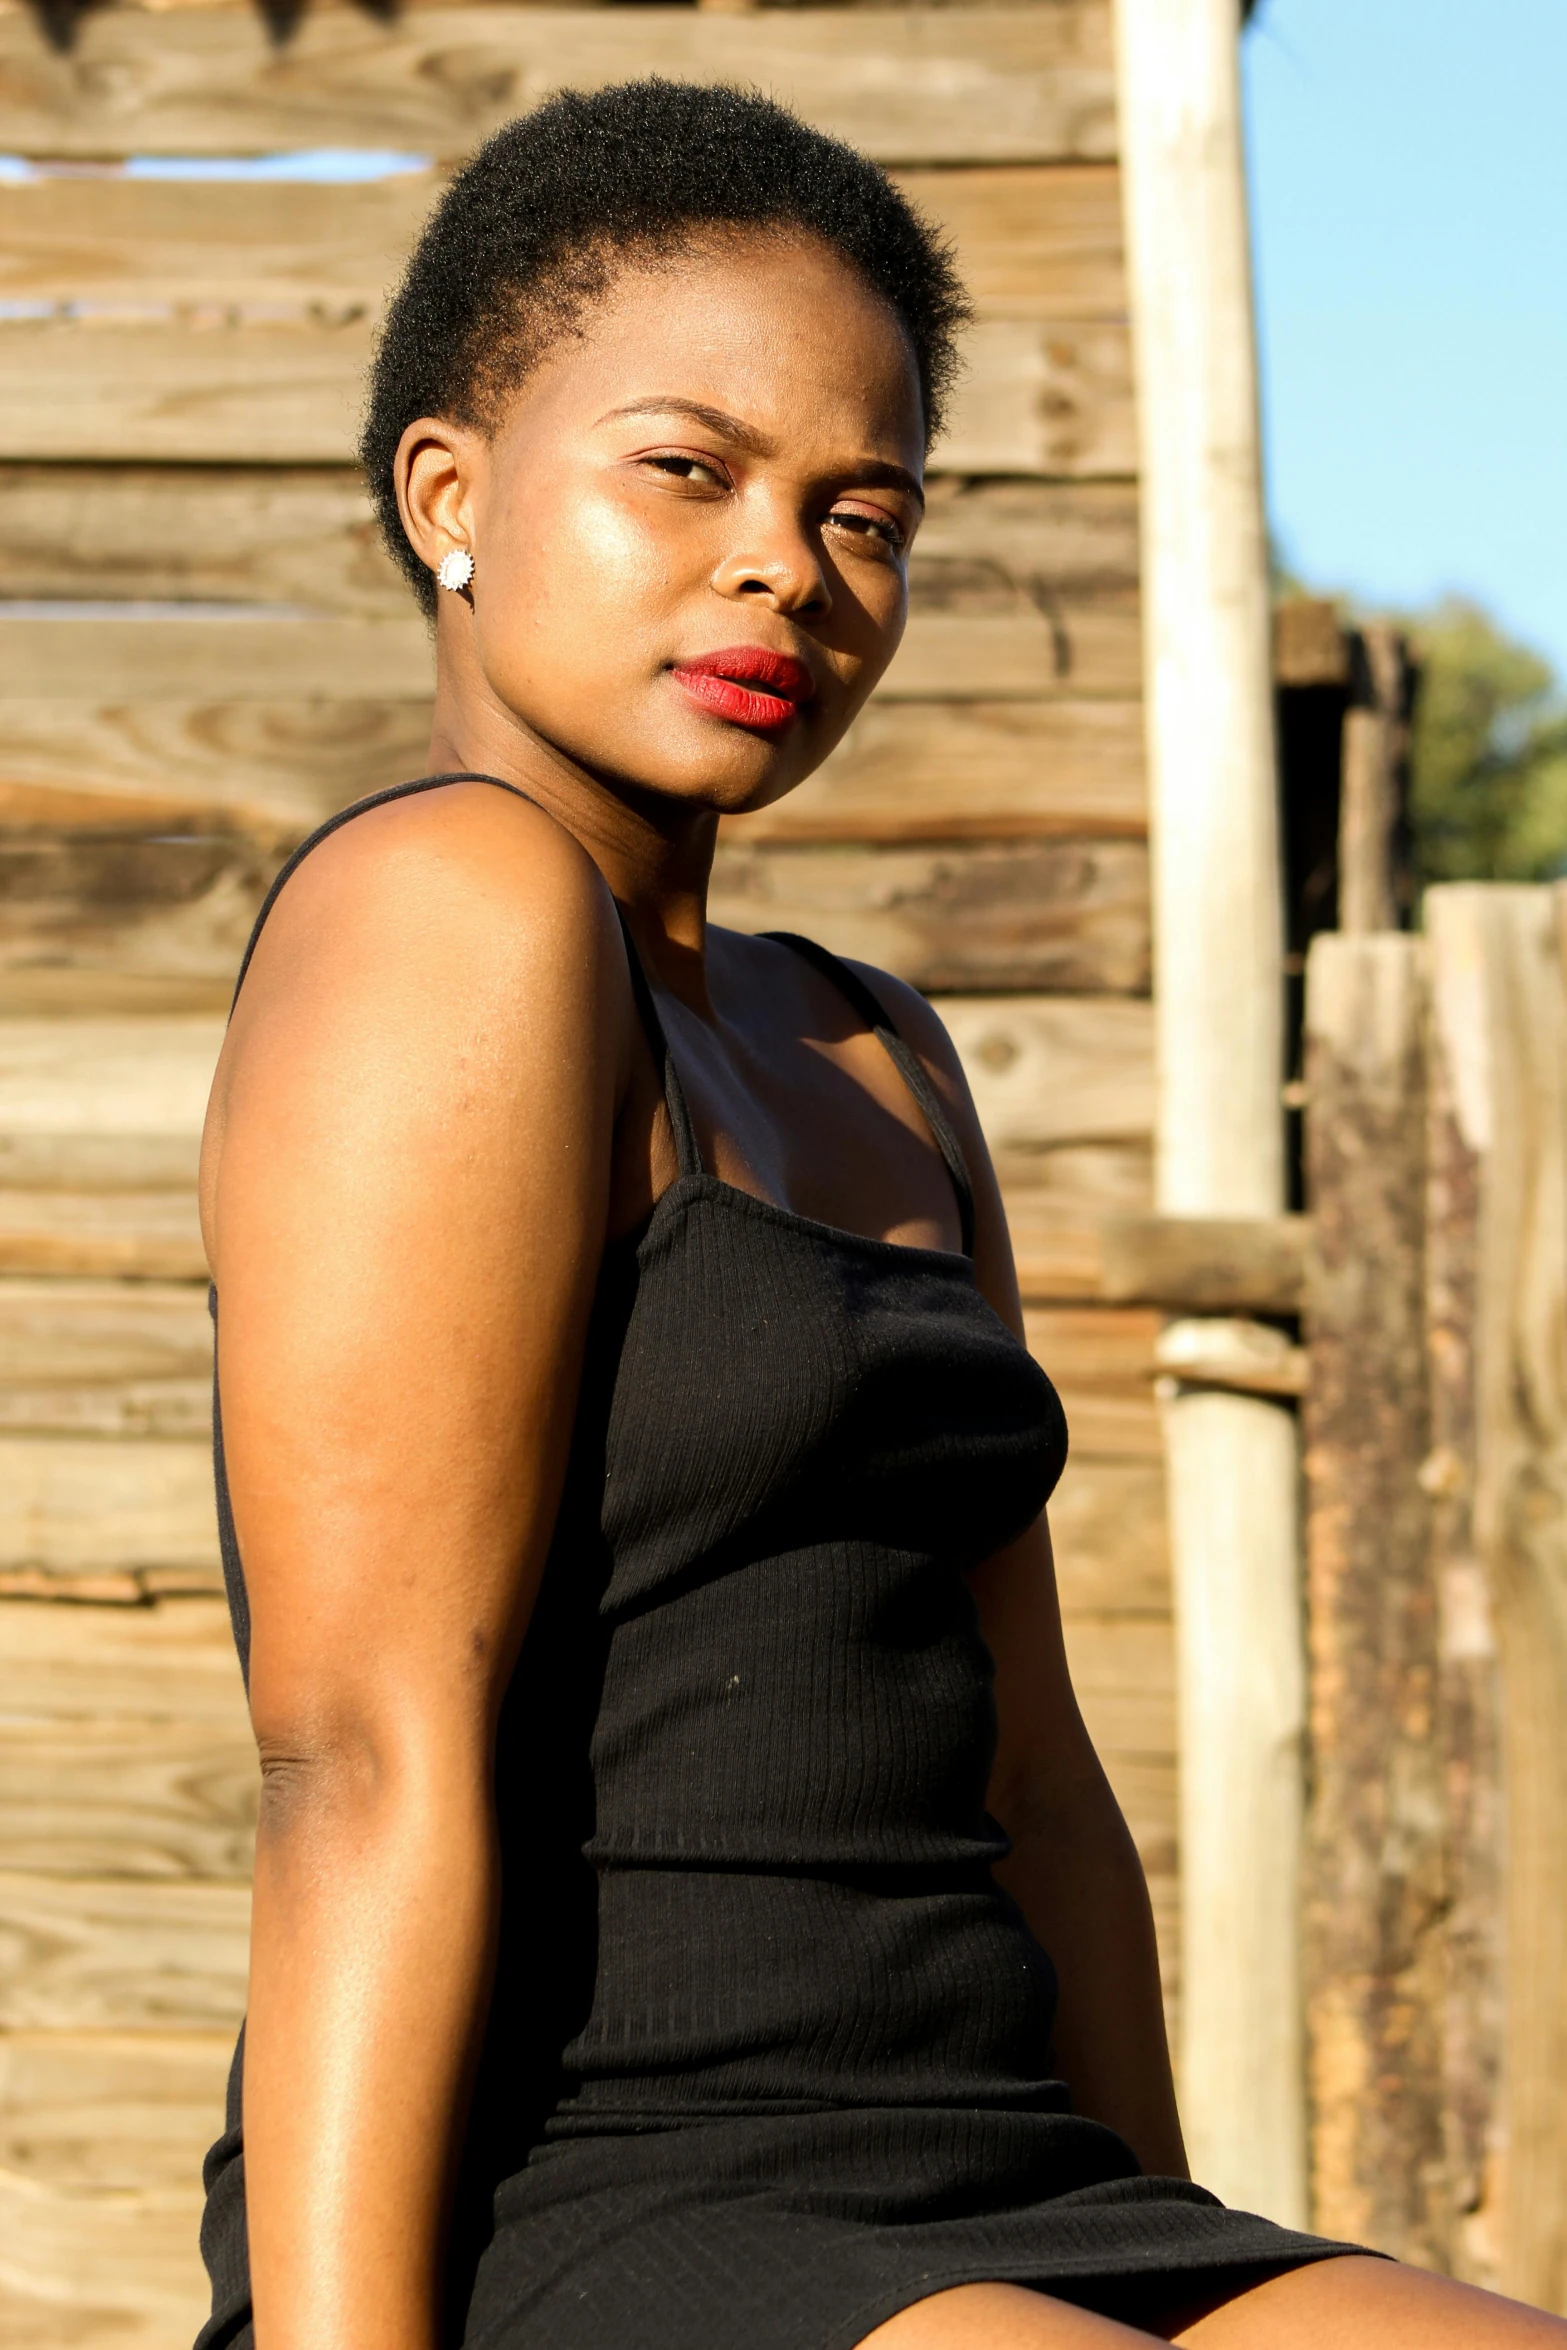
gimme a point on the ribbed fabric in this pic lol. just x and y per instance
(769, 2051)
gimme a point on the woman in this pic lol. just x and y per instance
(633, 1466)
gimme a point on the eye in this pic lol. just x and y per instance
(703, 473)
(872, 524)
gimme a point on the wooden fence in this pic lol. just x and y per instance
(203, 651)
(1436, 1422)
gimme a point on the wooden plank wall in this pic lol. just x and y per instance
(203, 651)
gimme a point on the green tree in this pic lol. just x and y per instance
(1488, 754)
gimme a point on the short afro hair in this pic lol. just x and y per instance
(537, 225)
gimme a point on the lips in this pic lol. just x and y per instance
(748, 685)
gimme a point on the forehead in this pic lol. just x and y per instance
(779, 330)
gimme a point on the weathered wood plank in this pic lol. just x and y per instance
(305, 536)
(1123, 1670)
(1107, 1521)
(107, 922)
(78, 1509)
(127, 1799)
(1375, 1884)
(242, 655)
(274, 768)
(914, 85)
(79, 1334)
(970, 771)
(1501, 1015)
(1032, 242)
(118, 919)
(1057, 916)
(1205, 1264)
(1101, 1360)
(107, 1076)
(78, 1955)
(1034, 398)
(906, 771)
(172, 1662)
(1040, 241)
(105, 2253)
(1046, 1071)
(110, 2109)
(1469, 1693)
(143, 1235)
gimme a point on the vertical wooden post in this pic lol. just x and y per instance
(1375, 1855)
(1500, 1008)
(1217, 929)
(1375, 735)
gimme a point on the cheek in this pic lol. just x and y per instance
(583, 572)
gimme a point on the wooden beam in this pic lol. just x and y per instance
(1220, 1149)
(920, 85)
(1500, 999)
(304, 535)
(1034, 241)
(80, 1514)
(1206, 1264)
(238, 655)
(1375, 1860)
(113, 1954)
(1068, 917)
(1048, 399)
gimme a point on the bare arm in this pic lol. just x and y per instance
(407, 1170)
(1073, 1869)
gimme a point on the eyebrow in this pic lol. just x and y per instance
(873, 473)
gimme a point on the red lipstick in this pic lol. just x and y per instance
(748, 685)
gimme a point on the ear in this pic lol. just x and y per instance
(435, 473)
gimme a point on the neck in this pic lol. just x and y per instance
(656, 854)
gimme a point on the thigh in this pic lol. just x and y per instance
(1362, 2304)
(1000, 2317)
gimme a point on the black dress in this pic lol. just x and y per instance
(770, 2052)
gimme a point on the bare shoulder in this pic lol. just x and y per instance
(460, 873)
(457, 944)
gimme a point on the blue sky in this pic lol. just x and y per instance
(1409, 210)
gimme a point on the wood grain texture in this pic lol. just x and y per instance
(108, 1076)
(121, 1955)
(1123, 1670)
(172, 1661)
(1501, 1012)
(77, 1334)
(1375, 1882)
(110, 2109)
(143, 1235)
(1039, 242)
(1034, 398)
(1043, 916)
(245, 534)
(1101, 1361)
(906, 771)
(305, 536)
(276, 769)
(1206, 1264)
(915, 85)
(1021, 655)
(106, 2252)
(78, 1508)
(1050, 1071)
(100, 918)
(127, 1799)
(1107, 1519)
(1469, 1691)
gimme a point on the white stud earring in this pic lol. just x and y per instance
(456, 569)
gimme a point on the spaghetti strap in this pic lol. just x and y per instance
(875, 1015)
(688, 1155)
(376, 799)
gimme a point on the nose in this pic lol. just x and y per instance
(777, 566)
